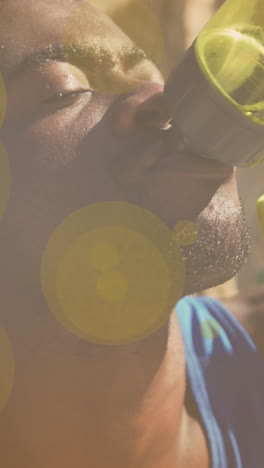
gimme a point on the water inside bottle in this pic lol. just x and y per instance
(234, 60)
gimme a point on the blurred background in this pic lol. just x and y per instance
(181, 21)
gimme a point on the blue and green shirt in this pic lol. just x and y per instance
(226, 376)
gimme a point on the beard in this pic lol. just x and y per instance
(222, 247)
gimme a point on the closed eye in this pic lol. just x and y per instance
(66, 99)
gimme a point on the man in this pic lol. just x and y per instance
(77, 136)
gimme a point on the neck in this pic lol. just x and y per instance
(138, 408)
(101, 406)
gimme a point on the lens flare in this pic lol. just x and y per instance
(112, 272)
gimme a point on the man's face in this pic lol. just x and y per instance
(84, 126)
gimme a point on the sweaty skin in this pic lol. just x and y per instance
(74, 403)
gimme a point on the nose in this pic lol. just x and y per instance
(144, 109)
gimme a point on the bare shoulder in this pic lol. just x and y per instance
(196, 454)
(195, 444)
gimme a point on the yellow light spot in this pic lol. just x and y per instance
(106, 70)
(210, 329)
(3, 100)
(260, 209)
(7, 367)
(109, 275)
(90, 298)
(185, 233)
(139, 22)
(112, 286)
(104, 256)
(5, 180)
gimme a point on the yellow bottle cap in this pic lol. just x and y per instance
(260, 208)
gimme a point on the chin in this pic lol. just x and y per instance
(222, 247)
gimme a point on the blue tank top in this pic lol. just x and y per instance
(226, 376)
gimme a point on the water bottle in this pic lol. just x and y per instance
(216, 93)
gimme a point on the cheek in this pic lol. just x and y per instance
(52, 142)
(57, 166)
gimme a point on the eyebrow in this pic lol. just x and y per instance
(74, 53)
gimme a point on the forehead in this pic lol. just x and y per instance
(29, 25)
